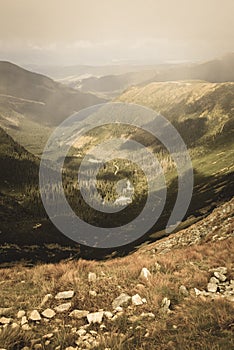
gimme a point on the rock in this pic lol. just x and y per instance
(221, 269)
(214, 280)
(136, 300)
(68, 294)
(14, 325)
(5, 310)
(92, 277)
(165, 305)
(26, 327)
(81, 332)
(46, 298)
(147, 315)
(121, 300)
(183, 291)
(20, 313)
(70, 348)
(37, 346)
(47, 342)
(48, 336)
(48, 313)
(108, 314)
(34, 316)
(145, 274)
(79, 314)
(220, 276)
(118, 309)
(95, 317)
(212, 287)
(197, 292)
(5, 320)
(24, 320)
(92, 293)
(63, 307)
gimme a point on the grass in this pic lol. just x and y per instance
(200, 323)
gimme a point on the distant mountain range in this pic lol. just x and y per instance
(218, 70)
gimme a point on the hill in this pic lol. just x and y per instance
(110, 85)
(176, 293)
(30, 104)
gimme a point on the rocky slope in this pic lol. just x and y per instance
(175, 293)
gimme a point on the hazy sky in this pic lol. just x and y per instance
(105, 31)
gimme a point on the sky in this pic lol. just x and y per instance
(67, 32)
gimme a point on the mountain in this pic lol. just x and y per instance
(30, 104)
(214, 71)
(109, 86)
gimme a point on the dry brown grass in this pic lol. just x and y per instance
(201, 324)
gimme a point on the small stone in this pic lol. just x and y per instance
(183, 291)
(63, 307)
(165, 305)
(24, 320)
(95, 317)
(47, 342)
(79, 314)
(5, 310)
(20, 313)
(145, 274)
(70, 348)
(48, 313)
(220, 276)
(34, 316)
(212, 287)
(14, 325)
(92, 293)
(37, 346)
(92, 277)
(108, 314)
(214, 280)
(5, 320)
(197, 292)
(221, 269)
(81, 332)
(121, 300)
(26, 327)
(136, 300)
(48, 336)
(65, 295)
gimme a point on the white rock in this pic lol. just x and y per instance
(34, 316)
(145, 274)
(5, 320)
(81, 332)
(92, 277)
(63, 307)
(136, 300)
(121, 300)
(95, 317)
(214, 280)
(108, 314)
(26, 327)
(221, 277)
(183, 291)
(14, 325)
(92, 293)
(21, 313)
(24, 320)
(68, 294)
(79, 314)
(48, 313)
(212, 287)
